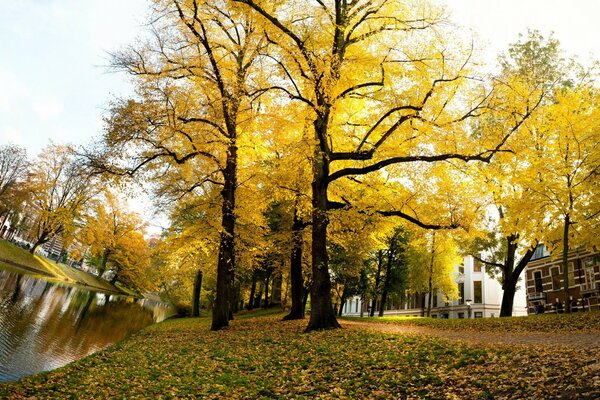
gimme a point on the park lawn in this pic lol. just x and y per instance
(16, 259)
(575, 322)
(264, 357)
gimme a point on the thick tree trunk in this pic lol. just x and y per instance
(322, 315)
(565, 263)
(196, 295)
(382, 302)
(226, 261)
(296, 281)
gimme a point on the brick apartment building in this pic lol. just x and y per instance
(544, 277)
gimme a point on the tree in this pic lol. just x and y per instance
(521, 221)
(565, 171)
(381, 88)
(433, 256)
(396, 261)
(13, 170)
(60, 188)
(115, 237)
(184, 128)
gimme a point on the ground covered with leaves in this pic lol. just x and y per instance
(263, 357)
(575, 322)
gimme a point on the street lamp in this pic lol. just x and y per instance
(468, 303)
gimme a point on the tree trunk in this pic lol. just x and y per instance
(40, 241)
(565, 263)
(388, 277)
(267, 278)
(377, 283)
(226, 261)
(276, 290)
(196, 295)
(322, 315)
(343, 299)
(252, 292)
(296, 281)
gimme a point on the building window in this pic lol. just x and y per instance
(461, 293)
(476, 266)
(433, 315)
(590, 280)
(537, 277)
(555, 273)
(461, 269)
(478, 314)
(434, 300)
(571, 273)
(477, 292)
(461, 315)
(356, 306)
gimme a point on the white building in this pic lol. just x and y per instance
(480, 296)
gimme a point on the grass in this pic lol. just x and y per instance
(264, 357)
(588, 321)
(16, 259)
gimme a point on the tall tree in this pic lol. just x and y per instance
(60, 188)
(565, 171)
(381, 87)
(13, 170)
(114, 236)
(432, 257)
(396, 266)
(184, 129)
(535, 64)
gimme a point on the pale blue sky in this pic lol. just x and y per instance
(53, 53)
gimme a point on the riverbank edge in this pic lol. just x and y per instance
(42, 273)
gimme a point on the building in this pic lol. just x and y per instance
(480, 296)
(545, 284)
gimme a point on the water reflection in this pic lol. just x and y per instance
(44, 325)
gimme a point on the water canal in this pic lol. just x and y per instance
(46, 325)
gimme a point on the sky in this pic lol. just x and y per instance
(55, 84)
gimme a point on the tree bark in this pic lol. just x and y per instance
(322, 315)
(196, 295)
(296, 281)
(565, 263)
(226, 262)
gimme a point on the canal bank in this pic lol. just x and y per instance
(45, 325)
(16, 259)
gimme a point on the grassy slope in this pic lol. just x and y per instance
(17, 259)
(266, 358)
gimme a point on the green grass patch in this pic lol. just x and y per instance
(16, 259)
(264, 357)
(576, 322)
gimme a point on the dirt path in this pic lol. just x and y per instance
(571, 339)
